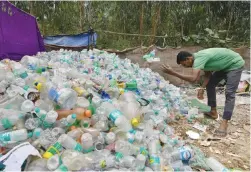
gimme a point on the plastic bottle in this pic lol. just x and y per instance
(154, 162)
(75, 133)
(53, 162)
(87, 142)
(126, 148)
(80, 112)
(17, 135)
(50, 118)
(56, 148)
(110, 138)
(69, 143)
(37, 133)
(66, 122)
(126, 161)
(117, 117)
(183, 153)
(140, 162)
(9, 121)
(215, 165)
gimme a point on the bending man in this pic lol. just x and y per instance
(218, 64)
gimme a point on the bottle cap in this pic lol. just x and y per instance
(37, 110)
(74, 116)
(47, 155)
(135, 122)
(88, 113)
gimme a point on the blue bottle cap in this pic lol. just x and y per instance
(74, 116)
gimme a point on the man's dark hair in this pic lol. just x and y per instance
(182, 56)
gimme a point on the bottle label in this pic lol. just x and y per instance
(53, 95)
(6, 123)
(114, 115)
(154, 160)
(55, 148)
(185, 155)
(78, 147)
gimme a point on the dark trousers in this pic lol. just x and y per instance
(232, 81)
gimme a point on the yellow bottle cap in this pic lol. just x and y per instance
(47, 155)
(135, 122)
(39, 86)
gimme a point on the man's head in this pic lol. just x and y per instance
(185, 59)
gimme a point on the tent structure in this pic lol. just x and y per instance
(19, 33)
(74, 42)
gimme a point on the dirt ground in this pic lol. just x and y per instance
(234, 150)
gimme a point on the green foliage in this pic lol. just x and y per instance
(205, 23)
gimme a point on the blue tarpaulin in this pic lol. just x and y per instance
(79, 40)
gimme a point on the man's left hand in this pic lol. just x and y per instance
(167, 69)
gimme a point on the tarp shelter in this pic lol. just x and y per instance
(74, 42)
(19, 33)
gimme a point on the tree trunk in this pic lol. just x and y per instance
(141, 22)
(31, 8)
(81, 15)
(155, 20)
(231, 17)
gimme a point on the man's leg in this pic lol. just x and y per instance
(233, 79)
(211, 92)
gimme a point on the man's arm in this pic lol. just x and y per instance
(190, 78)
(206, 79)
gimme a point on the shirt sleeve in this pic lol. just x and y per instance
(200, 59)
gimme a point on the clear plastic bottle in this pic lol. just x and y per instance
(9, 121)
(75, 134)
(87, 142)
(154, 162)
(117, 117)
(69, 143)
(50, 118)
(140, 162)
(17, 135)
(54, 149)
(126, 148)
(183, 153)
(215, 165)
(53, 162)
(110, 138)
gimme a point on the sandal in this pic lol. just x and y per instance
(220, 133)
(209, 115)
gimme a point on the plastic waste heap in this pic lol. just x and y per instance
(91, 110)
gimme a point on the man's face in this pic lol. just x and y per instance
(187, 63)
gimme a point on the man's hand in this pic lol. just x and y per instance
(167, 69)
(200, 94)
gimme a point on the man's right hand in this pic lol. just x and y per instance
(200, 94)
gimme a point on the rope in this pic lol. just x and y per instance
(134, 34)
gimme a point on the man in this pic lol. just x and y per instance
(218, 64)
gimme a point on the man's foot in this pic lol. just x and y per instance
(220, 133)
(222, 130)
(213, 114)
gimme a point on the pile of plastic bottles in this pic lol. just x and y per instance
(91, 110)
